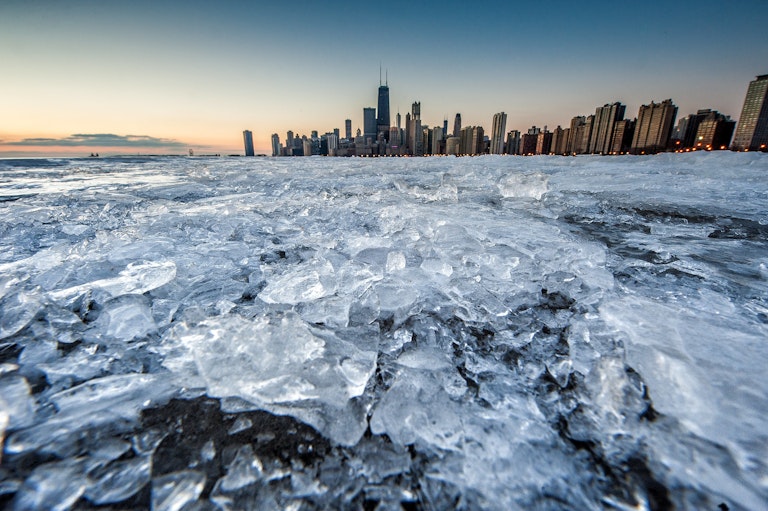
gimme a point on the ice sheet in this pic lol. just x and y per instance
(489, 332)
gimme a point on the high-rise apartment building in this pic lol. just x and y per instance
(528, 141)
(685, 134)
(577, 121)
(513, 142)
(248, 141)
(603, 127)
(622, 136)
(544, 142)
(457, 125)
(654, 127)
(348, 129)
(714, 131)
(497, 133)
(752, 129)
(436, 140)
(276, 149)
(471, 140)
(369, 122)
(559, 141)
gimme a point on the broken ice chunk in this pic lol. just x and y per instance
(173, 491)
(417, 409)
(55, 486)
(241, 424)
(16, 311)
(118, 481)
(303, 283)
(270, 361)
(244, 470)
(136, 278)
(125, 318)
(16, 403)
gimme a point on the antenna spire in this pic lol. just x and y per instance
(379, 74)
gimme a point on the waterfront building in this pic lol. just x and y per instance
(497, 133)
(248, 141)
(752, 129)
(348, 129)
(558, 140)
(382, 120)
(654, 127)
(622, 137)
(714, 131)
(369, 122)
(276, 149)
(603, 127)
(513, 142)
(544, 142)
(576, 121)
(457, 126)
(436, 140)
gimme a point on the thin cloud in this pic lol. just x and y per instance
(100, 140)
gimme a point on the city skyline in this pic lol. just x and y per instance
(90, 77)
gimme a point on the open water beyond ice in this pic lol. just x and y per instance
(435, 333)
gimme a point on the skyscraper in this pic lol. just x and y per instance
(276, 150)
(654, 127)
(382, 121)
(457, 126)
(622, 136)
(497, 133)
(369, 122)
(603, 127)
(416, 110)
(714, 131)
(348, 129)
(513, 142)
(248, 141)
(752, 130)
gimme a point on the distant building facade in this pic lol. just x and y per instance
(457, 125)
(248, 142)
(602, 131)
(276, 149)
(513, 142)
(382, 119)
(714, 131)
(654, 127)
(369, 122)
(752, 129)
(497, 133)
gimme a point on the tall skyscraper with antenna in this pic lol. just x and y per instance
(382, 119)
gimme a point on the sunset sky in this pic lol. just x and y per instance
(165, 76)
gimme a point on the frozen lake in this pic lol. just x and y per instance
(421, 333)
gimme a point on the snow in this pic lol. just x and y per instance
(489, 332)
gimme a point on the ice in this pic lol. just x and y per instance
(359, 333)
(16, 311)
(136, 278)
(172, 492)
(118, 481)
(55, 486)
(244, 470)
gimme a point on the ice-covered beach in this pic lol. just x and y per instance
(382, 333)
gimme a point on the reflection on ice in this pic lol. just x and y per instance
(437, 333)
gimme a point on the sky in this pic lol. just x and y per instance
(165, 76)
